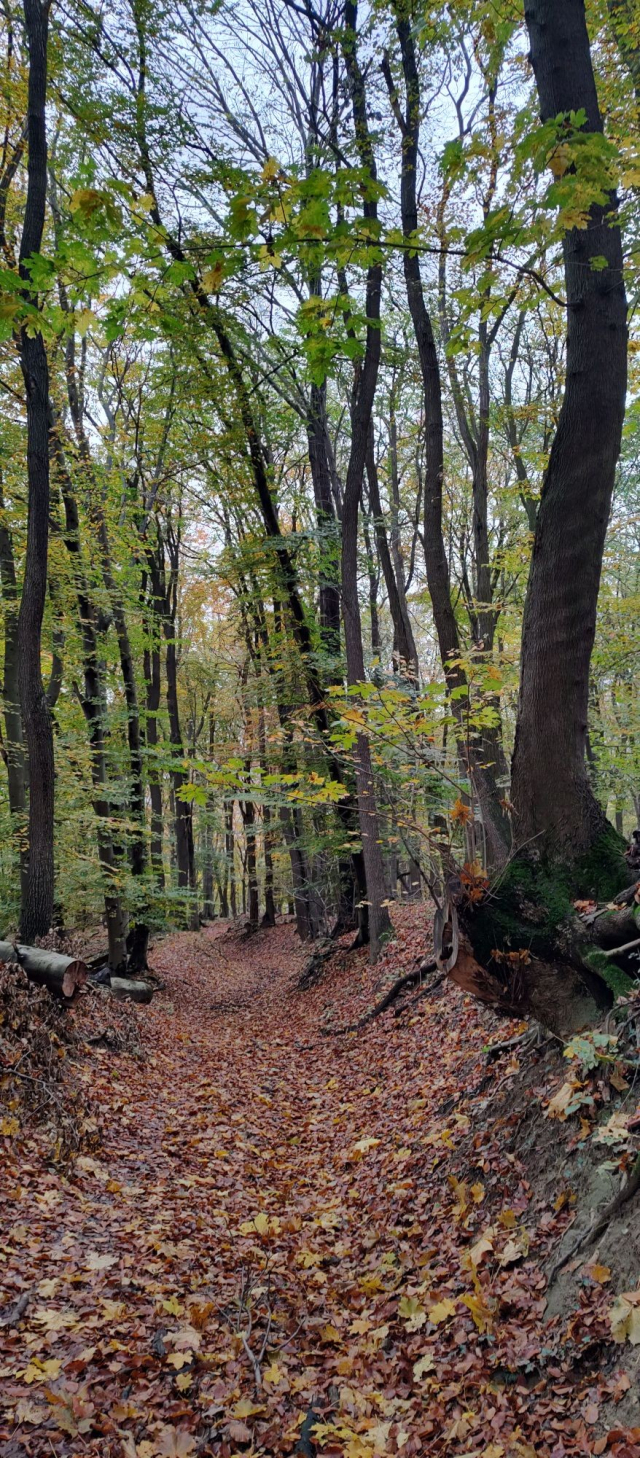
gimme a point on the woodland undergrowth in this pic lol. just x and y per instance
(273, 1236)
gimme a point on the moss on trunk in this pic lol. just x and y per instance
(526, 933)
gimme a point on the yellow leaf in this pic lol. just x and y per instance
(179, 1359)
(261, 1223)
(38, 1371)
(273, 1374)
(557, 1106)
(364, 1145)
(212, 278)
(246, 1408)
(183, 1381)
(54, 1320)
(441, 1311)
(97, 1262)
(481, 1313)
(172, 1306)
(624, 1316)
(9, 1126)
(508, 1219)
(515, 1249)
(461, 1196)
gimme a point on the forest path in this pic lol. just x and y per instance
(245, 1174)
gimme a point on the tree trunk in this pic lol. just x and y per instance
(152, 676)
(14, 753)
(37, 904)
(59, 973)
(482, 776)
(230, 851)
(361, 408)
(93, 702)
(404, 642)
(328, 539)
(553, 801)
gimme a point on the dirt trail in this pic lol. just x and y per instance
(331, 1193)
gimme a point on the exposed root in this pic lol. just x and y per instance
(599, 1225)
(409, 980)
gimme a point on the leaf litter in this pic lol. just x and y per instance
(277, 1241)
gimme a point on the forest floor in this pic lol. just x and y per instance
(272, 1222)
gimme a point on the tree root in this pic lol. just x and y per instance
(408, 980)
(598, 1227)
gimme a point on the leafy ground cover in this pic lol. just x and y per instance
(279, 1235)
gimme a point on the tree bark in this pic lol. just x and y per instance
(553, 800)
(361, 408)
(328, 537)
(14, 752)
(37, 902)
(93, 702)
(59, 973)
(404, 642)
(482, 775)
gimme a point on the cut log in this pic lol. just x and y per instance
(54, 970)
(125, 987)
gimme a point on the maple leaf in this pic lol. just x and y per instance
(441, 1311)
(30, 1412)
(38, 1371)
(362, 1146)
(624, 1317)
(54, 1320)
(246, 1408)
(273, 1374)
(175, 1443)
(480, 1311)
(238, 1431)
(97, 1262)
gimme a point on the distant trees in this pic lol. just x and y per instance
(318, 383)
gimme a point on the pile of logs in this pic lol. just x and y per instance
(63, 975)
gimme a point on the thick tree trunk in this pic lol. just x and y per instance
(37, 903)
(552, 797)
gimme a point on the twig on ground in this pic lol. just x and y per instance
(408, 980)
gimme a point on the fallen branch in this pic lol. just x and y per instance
(599, 1225)
(424, 992)
(626, 947)
(408, 980)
